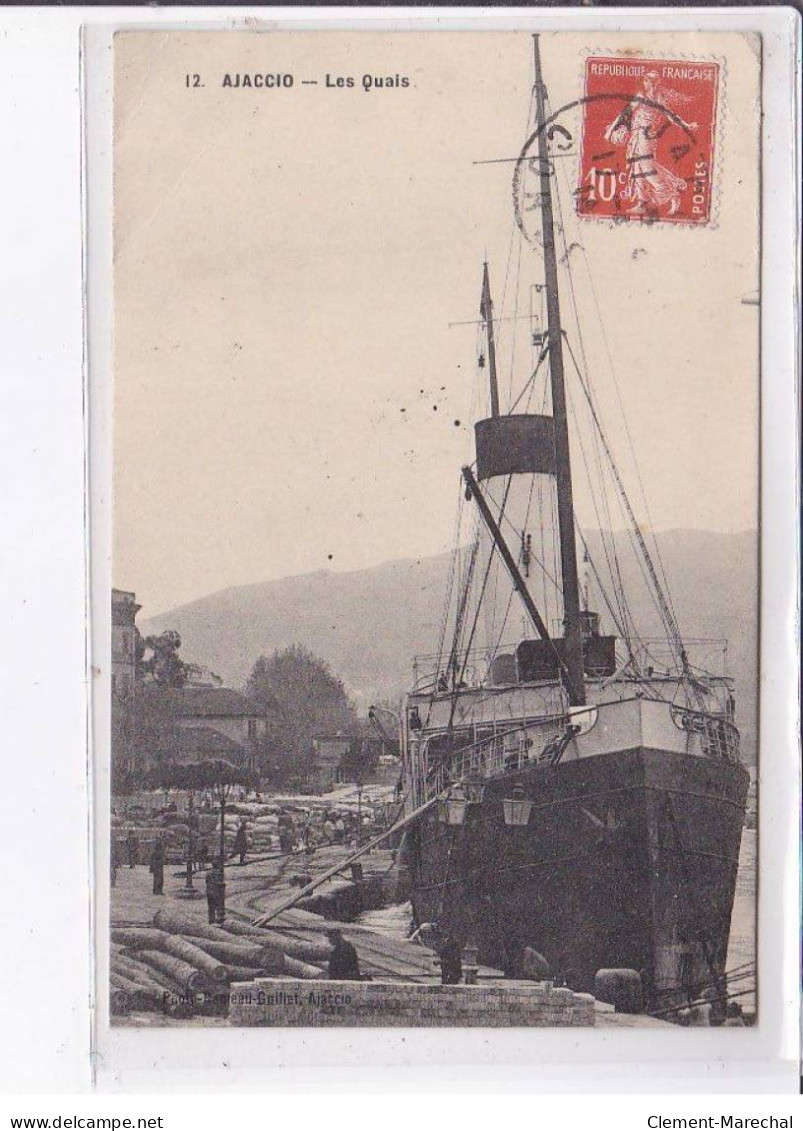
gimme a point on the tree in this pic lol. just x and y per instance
(360, 761)
(123, 750)
(143, 718)
(210, 773)
(157, 656)
(301, 698)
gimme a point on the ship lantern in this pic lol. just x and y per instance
(452, 809)
(517, 808)
(474, 790)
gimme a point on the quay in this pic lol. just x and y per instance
(151, 983)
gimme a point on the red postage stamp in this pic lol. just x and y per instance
(647, 149)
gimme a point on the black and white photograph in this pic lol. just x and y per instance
(435, 562)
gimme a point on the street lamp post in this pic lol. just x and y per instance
(189, 891)
(373, 710)
(215, 774)
(190, 837)
(223, 790)
(372, 713)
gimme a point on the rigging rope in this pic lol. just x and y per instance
(607, 537)
(668, 617)
(617, 390)
(479, 601)
(451, 581)
(622, 619)
(459, 618)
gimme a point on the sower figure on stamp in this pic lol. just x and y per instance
(157, 867)
(344, 965)
(650, 184)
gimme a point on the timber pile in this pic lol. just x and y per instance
(381, 957)
(182, 966)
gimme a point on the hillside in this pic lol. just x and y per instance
(369, 624)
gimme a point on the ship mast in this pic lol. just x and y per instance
(568, 550)
(487, 312)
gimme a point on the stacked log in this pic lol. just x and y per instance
(138, 972)
(190, 980)
(179, 923)
(142, 975)
(243, 930)
(119, 999)
(138, 938)
(239, 954)
(179, 964)
(204, 962)
(141, 997)
(127, 964)
(309, 952)
(302, 969)
(169, 996)
(144, 988)
(220, 944)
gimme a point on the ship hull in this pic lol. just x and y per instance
(628, 860)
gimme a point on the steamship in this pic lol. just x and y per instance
(578, 790)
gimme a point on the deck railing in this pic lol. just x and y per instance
(651, 655)
(719, 738)
(544, 742)
(513, 749)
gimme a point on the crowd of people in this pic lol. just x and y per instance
(300, 829)
(297, 832)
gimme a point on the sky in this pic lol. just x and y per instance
(290, 391)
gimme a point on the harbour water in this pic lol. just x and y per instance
(742, 944)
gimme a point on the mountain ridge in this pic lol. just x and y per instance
(368, 624)
(290, 577)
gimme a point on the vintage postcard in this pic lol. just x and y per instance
(436, 474)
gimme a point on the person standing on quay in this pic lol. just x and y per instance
(451, 956)
(114, 861)
(344, 965)
(214, 891)
(158, 867)
(240, 845)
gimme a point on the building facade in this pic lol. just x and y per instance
(153, 723)
(225, 711)
(328, 752)
(124, 653)
(340, 759)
